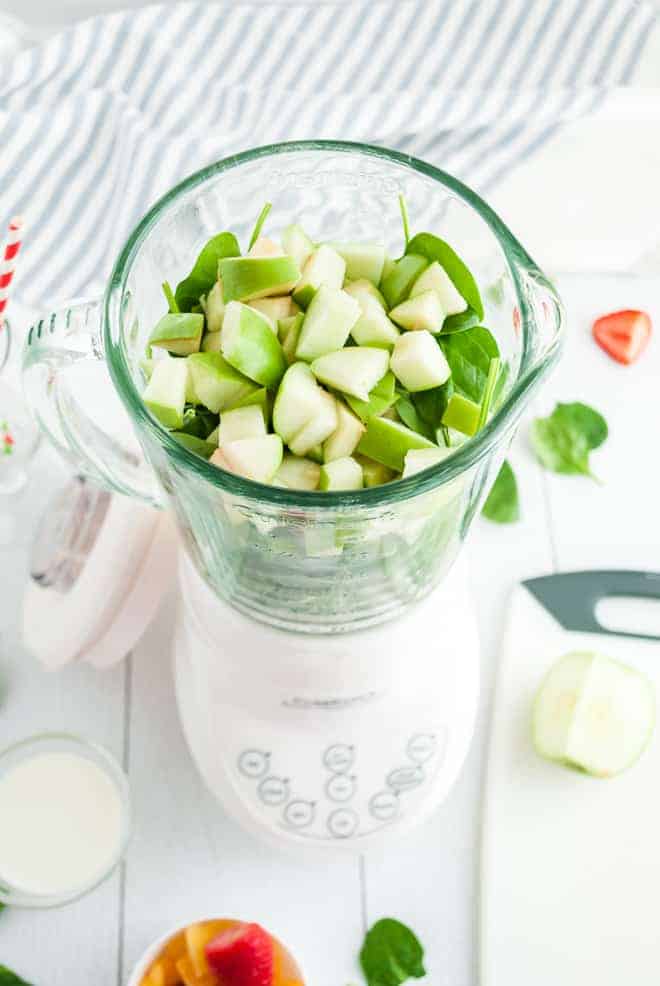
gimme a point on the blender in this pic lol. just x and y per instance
(325, 650)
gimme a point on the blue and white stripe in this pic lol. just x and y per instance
(98, 121)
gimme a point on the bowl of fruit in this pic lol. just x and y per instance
(217, 952)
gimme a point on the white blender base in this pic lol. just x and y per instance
(339, 742)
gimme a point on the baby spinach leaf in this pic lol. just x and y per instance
(205, 272)
(562, 442)
(169, 297)
(9, 978)
(199, 421)
(489, 390)
(469, 354)
(258, 226)
(461, 322)
(432, 404)
(433, 248)
(411, 418)
(404, 219)
(502, 505)
(391, 954)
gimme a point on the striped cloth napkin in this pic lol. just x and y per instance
(97, 122)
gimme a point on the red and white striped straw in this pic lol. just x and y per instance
(8, 263)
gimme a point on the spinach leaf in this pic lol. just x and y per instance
(562, 442)
(205, 272)
(459, 323)
(489, 390)
(404, 219)
(433, 248)
(9, 978)
(199, 421)
(411, 418)
(432, 404)
(391, 954)
(263, 215)
(502, 505)
(469, 354)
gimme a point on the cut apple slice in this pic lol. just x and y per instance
(165, 393)
(396, 285)
(425, 311)
(297, 473)
(435, 278)
(275, 308)
(355, 370)
(250, 345)
(318, 428)
(593, 713)
(328, 322)
(245, 278)
(241, 422)
(298, 400)
(343, 441)
(388, 442)
(211, 342)
(217, 384)
(418, 362)
(214, 308)
(255, 458)
(363, 260)
(417, 460)
(179, 333)
(297, 244)
(324, 266)
(373, 327)
(374, 473)
(462, 415)
(341, 474)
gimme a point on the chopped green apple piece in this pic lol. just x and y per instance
(324, 266)
(418, 362)
(422, 458)
(396, 286)
(288, 330)
(421, 312)
(255, 458)
(217, 384)
(341, 474)
(363, 260)
(435, 278)
(246, 278)
(593, 713)
(347, 434)
(355, 370)
(260, 398)
(327, 324)
(297, 244)
(298, 400)
(265, 247)
(316, 454)
(320, 427)
(388, 442)
(214, 307)
(362, 288)
(165, 394)
(199, 446)
(242, 422)
(275, 308)
(211, 342)
(373, 327)
(192, 397)
(381, 398)
(462, 414)
(212, 438)
(297, 473)
(249, 345)
(388, 266)
(178, 332)
(374, 473)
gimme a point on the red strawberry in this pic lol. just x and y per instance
(242, 956)
(623, 335)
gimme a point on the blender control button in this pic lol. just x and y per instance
(343, 823)
(339, 758)
(405, 778)
(253, 763)
(421, 747)
(384, 806)
(340, 787)
(273, 790)
(299, 814)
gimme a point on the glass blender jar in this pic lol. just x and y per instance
(301, 588)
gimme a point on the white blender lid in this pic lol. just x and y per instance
(99, 568)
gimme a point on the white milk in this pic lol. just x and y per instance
(60, 823)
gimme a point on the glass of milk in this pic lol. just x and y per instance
(64, 819)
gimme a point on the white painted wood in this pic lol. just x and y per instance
(186, 859)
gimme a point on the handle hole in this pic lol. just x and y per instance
(629, 614)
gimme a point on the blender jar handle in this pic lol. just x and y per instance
(55, 343)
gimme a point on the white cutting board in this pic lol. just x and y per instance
(570, 864)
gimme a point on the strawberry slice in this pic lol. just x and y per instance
(623, 335)
(242, 956)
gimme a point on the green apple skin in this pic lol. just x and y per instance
(388, 442)
(381, 397)
(246, 278)
(344, 439)
(179, 333)
(461, 414)
(250, 346)
(374, 473)
(165, 393)
(355, 370)
(217, 384)
(297, 244)
(297, 401)
(214, 308)
(398, 283)
(324, 266)
(363, 260)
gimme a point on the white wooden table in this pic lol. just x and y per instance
(186, 859)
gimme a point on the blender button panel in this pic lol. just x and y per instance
(253, 763)
(384, 806)
(405, 778)
(340, 787)
(339, 758)
(299, 814)
(273, 790)
(343, 823)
